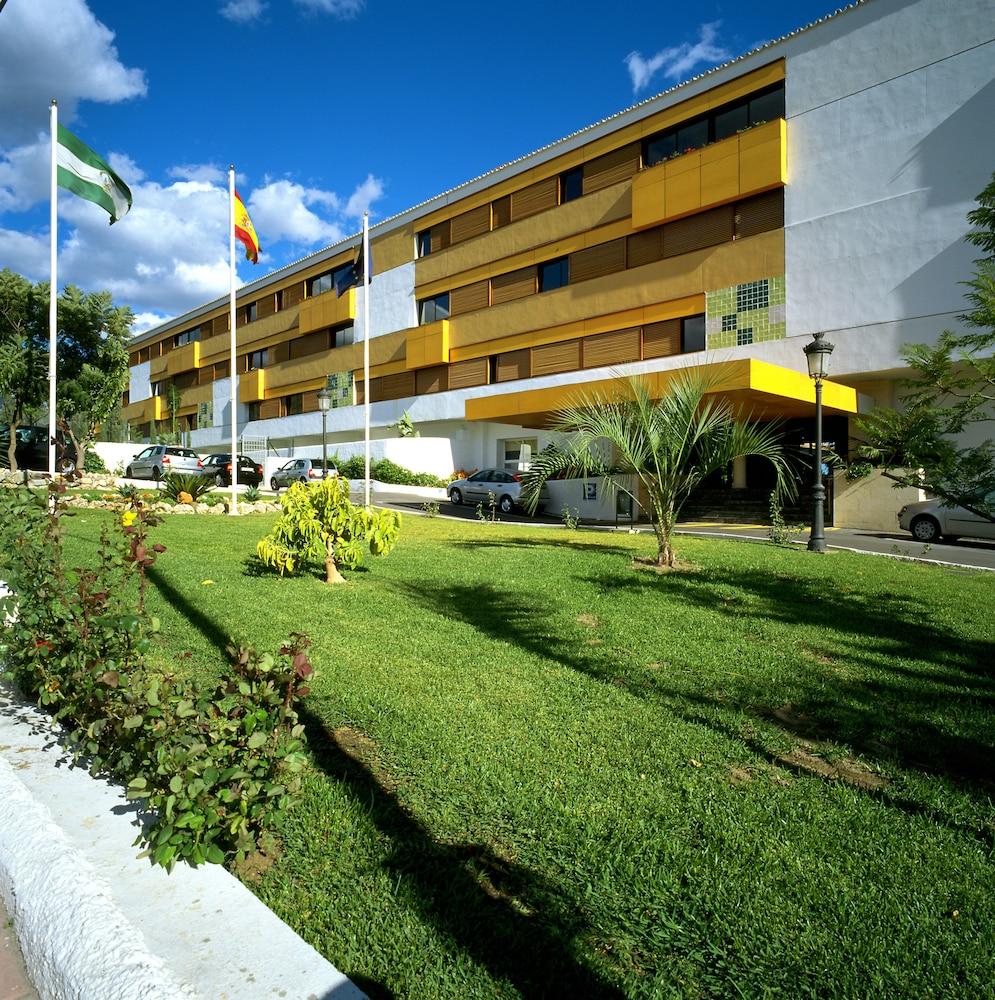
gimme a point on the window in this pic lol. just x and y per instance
(424, 242)
(344, 336)
(434, 309)
(187, 337)
(256, 359)
(571, 185)
(517, 454)
(554, 274)
(156, 388)
(251, 312)
(278, 301)
(719, 124)
(254, 410)
(693, 334)
(326, 282)
(293, 404)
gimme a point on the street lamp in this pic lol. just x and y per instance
(324, 404)
(817, 354)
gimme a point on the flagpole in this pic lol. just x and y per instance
(53, 286)
(366, 348)
(233, 509)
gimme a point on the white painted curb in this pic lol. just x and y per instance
(96, 923)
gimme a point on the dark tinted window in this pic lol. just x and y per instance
(660, 148)
(767, 107)
(424, 243)
(571, 185)
(693, 334)
(554, 274)
(729, 122)
(436, 308)
(692, 136)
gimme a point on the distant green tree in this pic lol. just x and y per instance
(23, 353)
(671, 445)
(92, 363)
(951, 391)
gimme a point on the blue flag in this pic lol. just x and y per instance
(351, 275)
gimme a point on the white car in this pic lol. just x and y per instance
(929, 519)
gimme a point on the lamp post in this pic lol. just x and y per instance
(817, 354)
(324, 404)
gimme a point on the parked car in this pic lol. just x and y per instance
(158, 459)
(506, 487)
(31, 451)
(298, 470)
(928, 520)
(219, 468)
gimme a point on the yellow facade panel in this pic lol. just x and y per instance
(157, 367)
(252, 386)
(683, 191)
(144, 410)
(327, 309)
(288, 373)
(183, 359)
(649, 197)
(762, 158)
(719, 174)
(393, 249)
(428, 345)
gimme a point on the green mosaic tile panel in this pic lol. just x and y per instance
(720, 308)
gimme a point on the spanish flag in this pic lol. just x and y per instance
(246, 231)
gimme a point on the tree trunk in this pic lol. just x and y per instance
(78, 446)
(12, 447)
(332, 574)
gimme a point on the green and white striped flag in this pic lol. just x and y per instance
(86, 174)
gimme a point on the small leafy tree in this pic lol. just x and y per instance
(671, 444)
(174, 400)
(952, 390)
(320, 523)
(23, 355)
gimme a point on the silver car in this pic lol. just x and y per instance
(929, 519)
(298, 470)
(158, 459)
(506, 487)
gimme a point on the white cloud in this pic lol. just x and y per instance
(363, 197)
(243, 11)
(210, 173)
(146, 320)
(281, 210)
(73, 62)
(24, 175)
(345, 10)
(676, 62)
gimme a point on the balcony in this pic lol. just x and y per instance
(327, 309)
(145, 410)
(252, 386)
(300, 374)
(749, 163)
(427, 345)
(183, 359)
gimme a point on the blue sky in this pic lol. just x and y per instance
(326, 107)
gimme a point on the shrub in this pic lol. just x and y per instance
(175, 483)
(92, 462)
(353, 467)
(319, 523)
(387, 471)
(217, 766)
(252, 494)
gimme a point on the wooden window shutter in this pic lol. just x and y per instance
(464, 374)
(612, 348)
(473, 223)
(618, 165)
(760, 214)
(133, 358)
(439, 235)
(205, 375)
(220, 324)
(222, 369)
(552, 358)
(513, 285)
(279, 352)
(397, 386)
(535, 198)
(513, 365)
(293, 295)
(266, 306)
(606, 258)
(311, 343)
(269, 408)
(660, 340)
(309, 401)
(431, 380)
(707, 229)
(469, 297)
(501, 211)
(645, 247)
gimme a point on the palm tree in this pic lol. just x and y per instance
(671, 444)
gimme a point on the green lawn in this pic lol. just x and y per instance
(541, 772)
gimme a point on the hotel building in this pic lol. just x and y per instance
(820, 182)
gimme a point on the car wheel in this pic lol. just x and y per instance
(455, 498)
(156, 474)
(129, 473)
(506, 505)
(66, 466)
(274, 485)
(925, 529)
(219, 480)
(303, 479)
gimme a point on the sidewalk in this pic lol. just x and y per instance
(14, 982)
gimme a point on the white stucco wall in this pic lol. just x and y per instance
(890, 138)
(393, 300)
(139, 382)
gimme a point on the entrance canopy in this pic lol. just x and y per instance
(757, 388)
